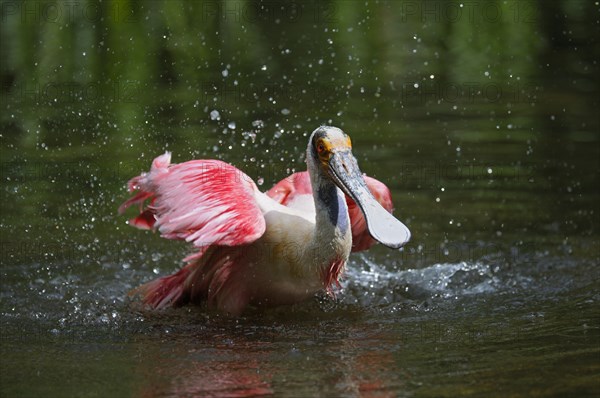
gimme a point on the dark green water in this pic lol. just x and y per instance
(482, 119)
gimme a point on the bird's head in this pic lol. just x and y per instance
(329, 154)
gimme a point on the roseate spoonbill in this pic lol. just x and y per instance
(262, 249)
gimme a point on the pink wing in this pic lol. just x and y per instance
(206, 202)
(290, 189)
(291, 186)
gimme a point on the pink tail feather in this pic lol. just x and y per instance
(164, 292)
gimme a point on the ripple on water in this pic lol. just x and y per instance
(89, 296)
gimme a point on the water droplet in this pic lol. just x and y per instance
(215, 115)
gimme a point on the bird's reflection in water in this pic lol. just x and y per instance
(227, 369)
(234, 365)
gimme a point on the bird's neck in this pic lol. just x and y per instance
(332, 240)
(331, 208)
(332, 220)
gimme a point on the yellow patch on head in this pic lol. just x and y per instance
(327, 145)
(341, 142)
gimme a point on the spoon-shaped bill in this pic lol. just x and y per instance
(382, 226)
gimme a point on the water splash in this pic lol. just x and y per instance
(370, 284)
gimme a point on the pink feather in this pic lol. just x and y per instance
(206, 202)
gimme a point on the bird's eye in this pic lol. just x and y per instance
(320, 147)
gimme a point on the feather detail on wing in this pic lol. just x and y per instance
(206, 202)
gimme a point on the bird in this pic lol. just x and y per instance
(255, 249)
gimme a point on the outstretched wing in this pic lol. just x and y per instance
(295, 191)
(206, 202)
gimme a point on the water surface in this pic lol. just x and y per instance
(485, 129)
